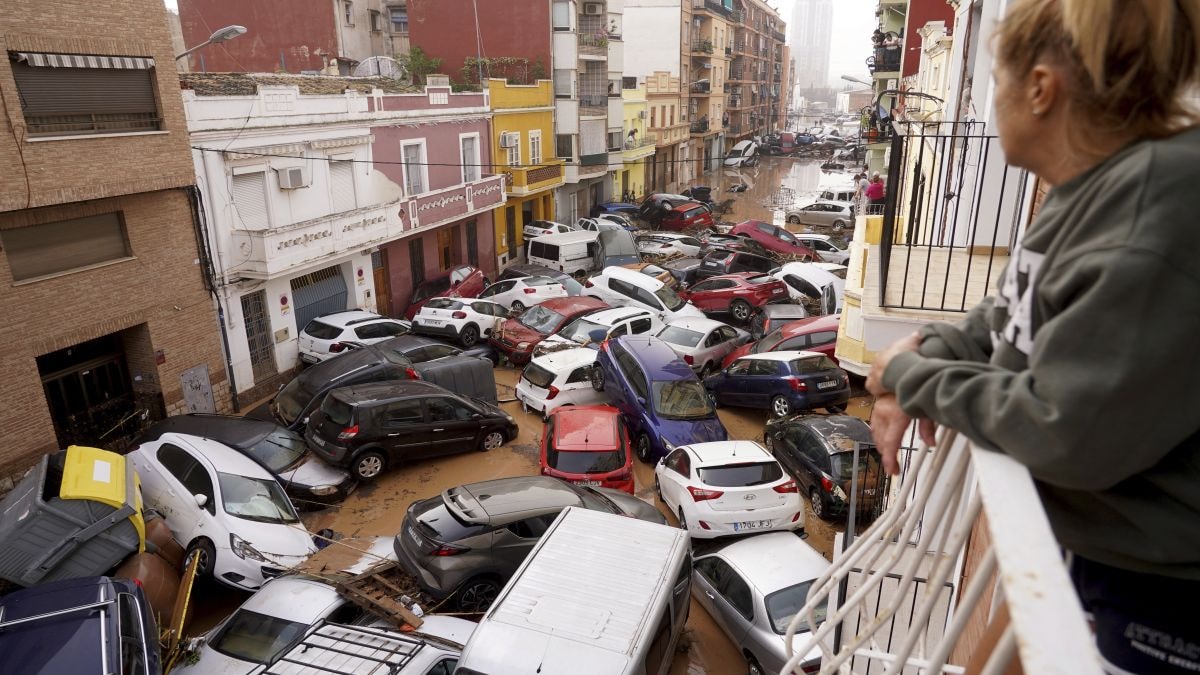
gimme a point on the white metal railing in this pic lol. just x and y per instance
(909, 561)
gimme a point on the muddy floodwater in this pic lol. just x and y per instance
(775, 183)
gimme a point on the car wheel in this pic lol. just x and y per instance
(818, 506)
(642, 448)
(368, 465)
(597, 378)
(469, 335)
(682, 521)
(780, 406)
(794, 220)
(752, 667)
(491, 441)
(207, 554)
(740, 309)
(836, 409)
(518, 306)
(477, 595)
(839, 225)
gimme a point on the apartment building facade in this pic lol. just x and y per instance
(756, 71)
(638, 147)
(706, 74)
(100, 270)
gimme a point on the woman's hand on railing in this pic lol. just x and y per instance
(880, 363)
(889, 422)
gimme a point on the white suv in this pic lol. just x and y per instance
(324, 336)
(622, 287)
(467, 320)
(612, 322)
(824, 246)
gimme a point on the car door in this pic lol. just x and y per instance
(786, 444)
(500, 292)
(676, 474)
(707, 295)
(512, 543)
(812, 457)
(733, 383)
(489, 316)
(637, 393)
(378, 332)
(762, 384)
(185, 477)
(726, 596)
(650, 301)
(406, 432)
(453, 427)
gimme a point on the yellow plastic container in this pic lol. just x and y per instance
(103, 476)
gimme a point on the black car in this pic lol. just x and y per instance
(517, 271)
(818, 451)
(659, 204)
(770, 317)
(723, 261)
(281, 451)
(715, 241)
(369, 427)
(683, 269)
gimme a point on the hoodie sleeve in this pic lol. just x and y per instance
(967, 340)
(1123, 334)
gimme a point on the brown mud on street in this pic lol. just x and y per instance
(775, 183)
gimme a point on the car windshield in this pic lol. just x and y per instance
(744, 474)
(682, 400)
(321, 330)
(431, 288)
(585, 461)
(541, 319)
(250, 636)
(537, 376)
(670, 299)
(580, 330)
(678, 335)
(443, 303)
(768, 341)
(278, 450)
(291, 399)
(782, 606)
(257, 499)
(813, 364)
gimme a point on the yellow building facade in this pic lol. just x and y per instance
(523, 151)
(637, 145)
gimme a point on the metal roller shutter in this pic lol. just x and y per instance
(341, 178)
(317, 293)
(250, 200)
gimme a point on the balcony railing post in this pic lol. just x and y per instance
(889, 214)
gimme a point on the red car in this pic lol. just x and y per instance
(518, 336)
(689, 216)
(735, 294)
(775, 239)
(463, 281)
(817, 334)
(588, 445)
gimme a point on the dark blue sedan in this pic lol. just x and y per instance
(783, 382)
(659, 396)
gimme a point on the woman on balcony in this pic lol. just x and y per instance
(1097, 315)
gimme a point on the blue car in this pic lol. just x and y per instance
(783, 382)
(657, 393)
(623, 208)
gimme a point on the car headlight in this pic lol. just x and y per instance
(242, 549)
(839, 492)
(522, 345)
(324, 490)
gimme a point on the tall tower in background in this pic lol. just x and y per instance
(811, 40)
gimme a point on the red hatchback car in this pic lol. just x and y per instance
(816, 334)
(463, 281)
(518, 336)
(735, 294)
(775, 239)
(689, 216)
(589, 446)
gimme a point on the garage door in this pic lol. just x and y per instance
(318, 293)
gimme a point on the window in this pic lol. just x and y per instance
(107, 94)
(249, 195)
(652, 115)
(378, 331)
(531, 528)
(65, 245)
(564, 146)
(403, 412)
(765, 367)
(680, 463)
(416, 260)
(562, 84)
(562, 15)
(469, 144)
(443, 667)
(614, 141)
(341, 183)
(399, 17)
(513, 152)
(348, 10)
(535, 147)
(133, 655)
(629, 83)
(739, 368)
(376, 21)
(415, 172)
(447, 410)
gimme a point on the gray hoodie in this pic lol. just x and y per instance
(1084, 365)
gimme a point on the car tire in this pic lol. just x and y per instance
(740, 310)
(208, 556)
(817, 504)
(367, 466)
(780, 406)
(794, 220)
(597, 378)
(518, 306)
(491, 441)
(752, 667)
(836, 409)
(642, 448)
(839, 225)
(476, 595)
(469, 335)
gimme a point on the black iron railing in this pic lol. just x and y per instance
(953, 206)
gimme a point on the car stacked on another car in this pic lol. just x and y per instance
(777, 240)
(825, 246)
(723, 241)
(465, 320)
(463, 281)
(736, 295)
(326, 336)
(818, 450)
(517, 294)
(724, 261)
(656, 272)
(689, 217)
(782, 382)
(568, 282)
(655, 206)
(702, 343)
(810, 283)
(541, 228)
(770, 317)
(518, 336)
(598, 326)
(559, 378)
(588, 446)
(620, 287)
(815, 334)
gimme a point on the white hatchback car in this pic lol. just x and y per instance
(223, 507)
(728, 488)
(811, 282)
(825, 247)
(669, 243)
(541, 228)
(324, 337)
(518, 294)
(621, 287)
(613, 322)
(702, 343)
(467, 320)
(598, 225)
(559, 378)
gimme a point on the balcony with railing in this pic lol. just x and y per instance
(593, 38)
(527, 180)
(885, 62)
(702, 47)
(635, 149)
(713, 6)
(700, 88)
(699, 127)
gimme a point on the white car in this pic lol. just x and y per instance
(612, 323)
(272, 620)
(598, 225)
(741, 154)
(825, 247)
(559, 378)
(325, 336)
(517, 294)
(541, 228)
(621, 287)
(702, 343)
(728, 488)
(466, 320)
(809, 281)
(835, 269)
(669, 243)
(224, 507)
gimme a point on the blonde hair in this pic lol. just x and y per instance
(1130, 64)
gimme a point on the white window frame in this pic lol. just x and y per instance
(347, 159)
(509, 160)
(535, 149)
(424, 167)
(477, 160)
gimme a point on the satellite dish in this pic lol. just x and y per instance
(380, 66)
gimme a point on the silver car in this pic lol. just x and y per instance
(752, 588)
(702, 343)
(838, 215)
(669, 243)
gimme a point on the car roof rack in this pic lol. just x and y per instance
(339, 649)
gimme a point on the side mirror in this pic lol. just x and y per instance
(201, 500)
(476, 416)
(641, 401)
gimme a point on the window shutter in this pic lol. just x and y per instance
(250, 201)
(341, 179)
(88, 100)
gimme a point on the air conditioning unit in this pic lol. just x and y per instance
(641, 114)
(292, 178)
(510, 139)
(593, 8)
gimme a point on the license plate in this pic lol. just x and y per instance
(827, 385)
(412, 534)
(751, 525)
(432, 322)
(588, 483)
(777, 291)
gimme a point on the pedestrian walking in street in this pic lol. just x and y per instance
(1098, 302)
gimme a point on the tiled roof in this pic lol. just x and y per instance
(247, 84)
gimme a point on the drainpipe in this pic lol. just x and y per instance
(200, 229)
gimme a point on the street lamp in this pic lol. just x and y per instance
(851, 78)
(220, 35)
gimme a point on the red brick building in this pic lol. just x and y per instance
(446, 29)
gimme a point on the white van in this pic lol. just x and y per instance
(570, 252)
(599, 595)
